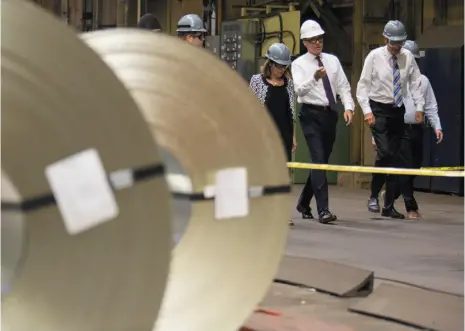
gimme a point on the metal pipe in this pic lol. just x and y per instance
(269, 8)
(266, 2)
(245, 10)
(422, 7)
(357, 129)
(213, 22)
(139, 9)
(219, 15)
(96, 14)
(122, 13)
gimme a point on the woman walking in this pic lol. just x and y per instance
(275, 89)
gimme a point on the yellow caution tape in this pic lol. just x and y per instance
(376, 170)
(444, 168)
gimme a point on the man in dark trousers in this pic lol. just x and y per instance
(411, 154)
(318, 77)
(381, 92)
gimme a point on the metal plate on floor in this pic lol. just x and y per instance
(413, 306)
(325, 276)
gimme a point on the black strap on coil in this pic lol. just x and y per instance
(139, 174)
(267, 190)
(46, 200)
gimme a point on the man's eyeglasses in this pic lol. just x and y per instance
(396, 43)
(314, 40)
(198, 36)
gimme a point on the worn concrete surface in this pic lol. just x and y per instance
(427, 252)
(306, 310)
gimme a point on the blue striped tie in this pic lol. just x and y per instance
(396, 81)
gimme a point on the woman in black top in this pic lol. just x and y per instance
(274, 88)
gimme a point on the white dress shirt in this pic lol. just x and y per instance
(431, 106)
(311, 91)
(376, 80)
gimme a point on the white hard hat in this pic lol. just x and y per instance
(310, 29)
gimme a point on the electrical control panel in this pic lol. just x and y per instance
(239, 47)
(212, 43)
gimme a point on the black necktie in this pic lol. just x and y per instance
(327, 85)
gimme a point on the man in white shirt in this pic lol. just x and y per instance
(412, 142)
(318, 77)
(381, 91)
(190, 28)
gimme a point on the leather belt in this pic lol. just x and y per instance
(318, 107)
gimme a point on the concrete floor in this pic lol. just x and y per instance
(427, 253)
(306, 310)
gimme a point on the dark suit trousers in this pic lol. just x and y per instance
(411, 156)
(388, 132)
(319, 128)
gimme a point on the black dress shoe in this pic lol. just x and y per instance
(305, 211)
(326, 217)
(373, 205)
(392, 213)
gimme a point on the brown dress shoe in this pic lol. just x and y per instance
(413, 215)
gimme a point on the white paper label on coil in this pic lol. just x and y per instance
(122, 179)
(209, 191)
(82, 191)
(179, 183)
(231, 193)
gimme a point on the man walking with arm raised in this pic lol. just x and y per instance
(318, 77)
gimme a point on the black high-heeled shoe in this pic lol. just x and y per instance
(306, 212)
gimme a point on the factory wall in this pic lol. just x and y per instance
(160, 9)
(419, 15)
(455, 12)
(361, 28)
(369, 17)
(177, 9)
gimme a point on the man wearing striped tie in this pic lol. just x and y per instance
(412, 142)
(380, 92)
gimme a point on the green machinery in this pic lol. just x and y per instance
(243, 44)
